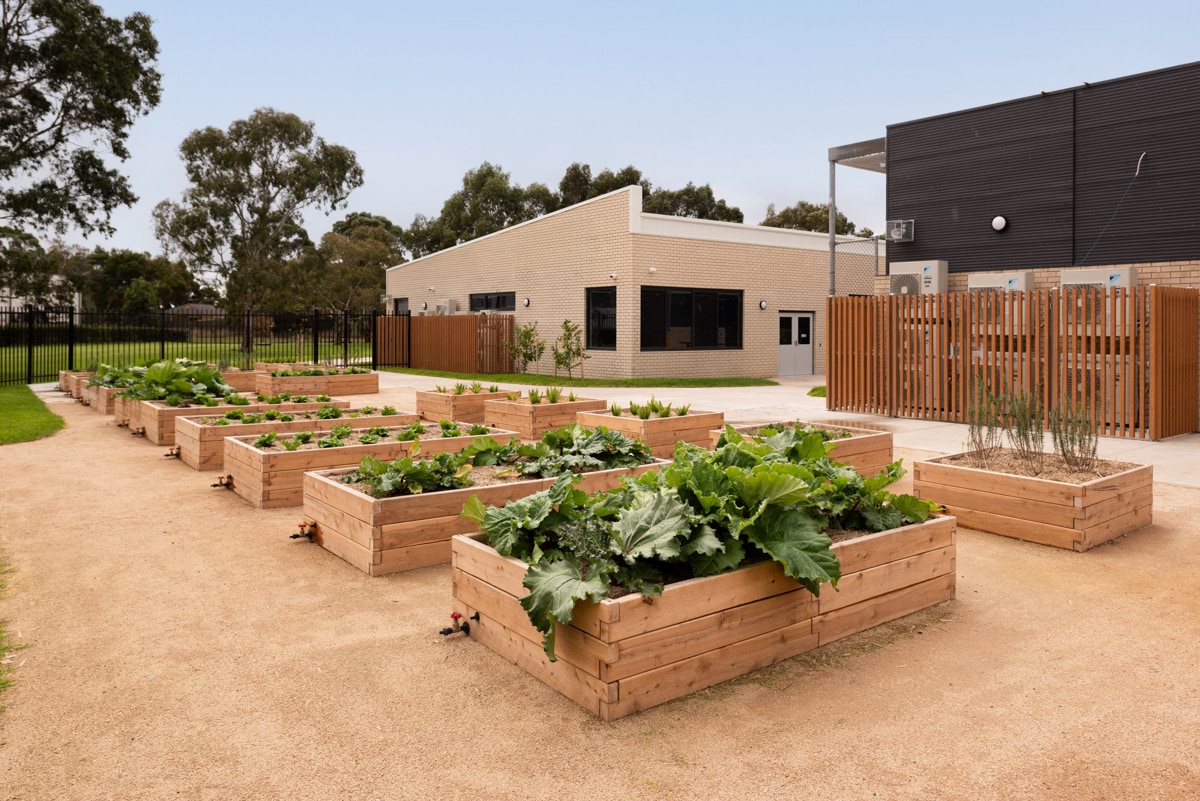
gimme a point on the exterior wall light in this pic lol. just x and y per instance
(424, 305)
(653, 269)
(999, 223)
(762, 304)
(525, 303)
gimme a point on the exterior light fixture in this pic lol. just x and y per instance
(525, 303)
(762, 304)
(424, 305)
(999, 223)
(653, 269)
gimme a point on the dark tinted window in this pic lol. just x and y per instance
(493, 301)
(602, 318)
(679, 319)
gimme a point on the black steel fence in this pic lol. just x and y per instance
(36, 343)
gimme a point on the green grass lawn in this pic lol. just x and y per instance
(23, 416)
(563, 381)
(49, 359)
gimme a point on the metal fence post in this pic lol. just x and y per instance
(316, 334)
(29, 342)
(345, 339)
(374, 340)
(71, 338)
(162, 334)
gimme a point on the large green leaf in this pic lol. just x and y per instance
(554, 588)
(776, 484)
(795, 540)
(652, 527)
(730, 556)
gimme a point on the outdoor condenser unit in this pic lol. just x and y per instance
(917, 277)
(1000, 282)
(1104, 278)
(446, 306)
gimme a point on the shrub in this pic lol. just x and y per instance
(1074, 433)
(553, 394)
(985, 425)
(388, 411)
(535, 396)
(568, 349)
(1025, 430)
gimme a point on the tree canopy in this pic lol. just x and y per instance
(805, 216)
(240, 219)
(72, 83)
(489, 201)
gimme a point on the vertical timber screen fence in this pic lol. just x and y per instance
(1130, 357)
(457, 343)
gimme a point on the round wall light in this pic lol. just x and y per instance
(525, 303)
(424, 306)
(762, 304)
(999, 223)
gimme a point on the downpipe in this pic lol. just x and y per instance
(458, 625)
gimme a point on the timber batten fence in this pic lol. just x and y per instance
(1130, 357)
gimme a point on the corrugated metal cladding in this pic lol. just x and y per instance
(1055, 166)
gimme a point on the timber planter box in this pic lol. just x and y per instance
(201, 445)
(156, 420)
(241, 380)
(465, 408)
(77, 384)
(390, 535)
(1066, 515)
(337, 384)
(659, 433)
(865, 450)
(102, 399)
(624, 655)
(532, 420)
(269, 479)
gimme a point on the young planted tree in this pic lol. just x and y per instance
(526, 347)
(240, 219)
(72, 83)
(568, 349)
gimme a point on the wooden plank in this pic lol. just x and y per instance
(672, 681)
(1114, 507)
(1018, 528)
(690, 638)
(1115, 527)
(417, 532)
(336, 520)
(327, 488)
(872, 550)
(1057, 514)
(580, 649)
(885, 578)
(344, 548)
(411, 557)
(883, 608)
(1037, 489)
(1109, 487)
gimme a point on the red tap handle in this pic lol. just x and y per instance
(455, 615)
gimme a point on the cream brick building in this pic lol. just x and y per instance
(693, 298)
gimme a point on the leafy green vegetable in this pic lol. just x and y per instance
(292, 444)
(266, 440)
(329, 413)
(388, 411)
(303, 437)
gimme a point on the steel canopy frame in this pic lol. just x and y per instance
(870, 154)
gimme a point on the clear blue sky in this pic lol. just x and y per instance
(745, 96)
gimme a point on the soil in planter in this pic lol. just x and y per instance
(1053, 467)
(432, 432)
(234, 422)
(827, 434)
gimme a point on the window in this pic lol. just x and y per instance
(602, 318)
(682, 319)
(399, 305)
(493, 301)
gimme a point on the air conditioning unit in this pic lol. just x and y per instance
(446, 306)
(918, 277)
(901, 230)
(1000, 282)
(1105, 278)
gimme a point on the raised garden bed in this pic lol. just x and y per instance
(390, 535)
(623, 655)
(75, 383)
(465, 407)
(156, 420)
(334, 382)
(531, 420)
(660, 433)
(273, 477)
(1076, 515)
(102, 399)
(241, 380)
(201, 442)
(865, 450)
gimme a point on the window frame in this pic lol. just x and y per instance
(488, 298)
(670, 294)
(587, 314)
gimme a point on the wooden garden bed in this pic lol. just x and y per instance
(1077, 516)
(202, 446)
(532, 420)
(659, 433)
(866, 450)
(241, 380)
(273, 478)
(340, 384)
(465, 408)
(102, 399)
(624, 655)
(156, 420)
(75, 383)
(390, 535)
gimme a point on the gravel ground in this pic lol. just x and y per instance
(179, 645)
